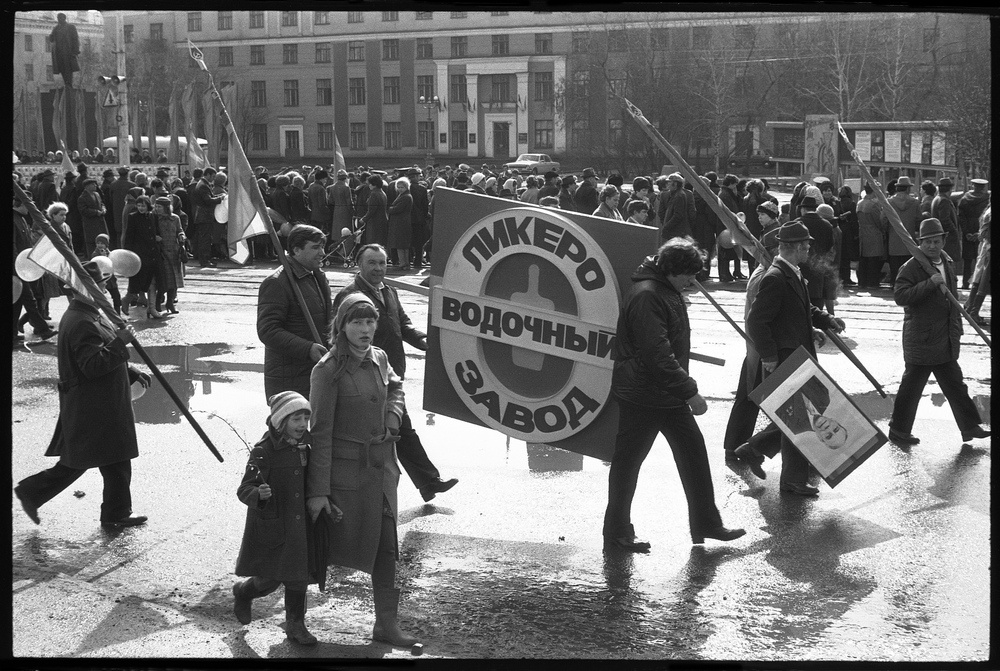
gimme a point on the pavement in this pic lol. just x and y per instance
(891, 565)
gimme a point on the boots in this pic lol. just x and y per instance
(386, 611)
(295, 613)
(974, 302)
(244, 593)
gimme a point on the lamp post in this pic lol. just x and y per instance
(429, 104)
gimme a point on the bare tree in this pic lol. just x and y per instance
(896, 85)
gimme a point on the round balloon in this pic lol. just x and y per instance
(26, 269)
(17, 287)
(222, 210)
(137, 390)
(126, 262)
(726, 240)
(345, 232)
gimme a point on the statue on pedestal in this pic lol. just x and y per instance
(65, 49)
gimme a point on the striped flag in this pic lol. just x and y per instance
(52, 261)
(195, 156)
(246, 204)
(338, 162)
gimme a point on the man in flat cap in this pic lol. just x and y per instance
(587, 199)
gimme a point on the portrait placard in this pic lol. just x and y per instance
(818, 417)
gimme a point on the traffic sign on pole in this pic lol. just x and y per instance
(112, 100)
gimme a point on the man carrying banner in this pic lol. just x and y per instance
(779, 322)
(932, 330)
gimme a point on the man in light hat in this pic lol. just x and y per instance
(96, 427)
(781, 320)
(943, 209)
(970, 207)
(477, 183)
(932, 333)
(587, 199)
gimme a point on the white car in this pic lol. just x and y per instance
(537, 164)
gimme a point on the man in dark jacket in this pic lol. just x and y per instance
(44, 192)
(290, 352)
(204, 202)
(779, 322)
(655, 395)
(932, 331)
(119, 190)
(677, 208)
(818, 270)
(418, 216)
(551, 187)
(970, 207)
(943, 209)
(393, 328)
(731, 200)
(96, 428)
(587, 199)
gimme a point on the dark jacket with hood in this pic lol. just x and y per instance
(653, 343)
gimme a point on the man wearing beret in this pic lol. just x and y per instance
(780, 321)
(587, 199)
(932, 331)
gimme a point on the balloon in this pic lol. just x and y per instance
(27, 270)
(17, 287)
(345, 232)
(137, 390)
(726, 240)
(126, 262)
(222, 210)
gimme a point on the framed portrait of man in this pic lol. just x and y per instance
(818, 417)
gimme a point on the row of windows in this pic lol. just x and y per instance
(544, 135)
(502, 88)
(224, 19)
(29, 72)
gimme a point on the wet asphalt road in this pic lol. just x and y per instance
(891, 565)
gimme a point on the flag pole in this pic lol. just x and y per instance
(906, 236)
(102, 302)
(258, 200)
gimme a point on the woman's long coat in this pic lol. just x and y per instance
(275, 542)
(351, 461)
(96, 426)
(140, 237)
(169, 259)
(401, 221)
(376, 219)
(92, 214)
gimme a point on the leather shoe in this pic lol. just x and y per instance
(435, 487)
(630, 543)
(30, 508)
(129, 521)
(905, 438)
(719, 533)
(753, 459)
(45, 335)
(799, 488)
(976, 432)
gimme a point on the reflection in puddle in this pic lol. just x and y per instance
(877, 408)
(544, 458)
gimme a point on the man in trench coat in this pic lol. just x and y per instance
(96, 427)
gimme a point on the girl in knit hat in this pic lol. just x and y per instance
(358, 403)
(275, 546)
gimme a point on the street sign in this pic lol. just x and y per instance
(112, 100)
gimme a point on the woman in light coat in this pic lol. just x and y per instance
(357, 408)
(170, 237)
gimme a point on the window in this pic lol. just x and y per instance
(701, 37)
(616, 132)
(543, 43)
(225, 20)
(356, 50)
(291, 93)
(579, 133)
(930, 38)
(258, 94)
(459, 135)
(390, 50)
(256, 19)
(258, 136)
(390, 90)
(581, 82)
(424, 16)
(225, 57)
(323, 52)
(425, 86)
(459, 92)
(543, 85)
(617, 40)
(425, 48)
(359, 134)
(459, 46)
(289, 54)
(256, 54)
(324, 134)
(129, 33)
(194, 22)
(356, 90)
(48, 73)
(292, 139)
(156, 31)
(321, 18)
(390, 16)
(29, 72)
(500, 89)
(324, 92)
(581, 42)
(355, 17)
(393, 134)
(28, 44)
(425, 135)
(459, 15)
(616, 87)
(544, 133)
(659, 38)
(501, 45)
(289, 19)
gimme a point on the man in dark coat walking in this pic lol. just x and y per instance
(393, 328)
(65, 49)
(932, 331)
(587, 199)
(204, 201)
(96, 427)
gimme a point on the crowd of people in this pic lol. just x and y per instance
(91, 156)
